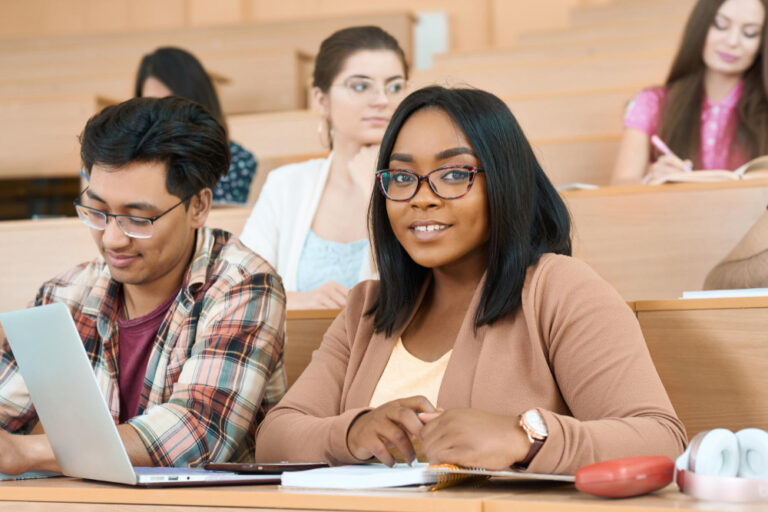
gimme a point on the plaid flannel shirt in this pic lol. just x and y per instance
(216, 366)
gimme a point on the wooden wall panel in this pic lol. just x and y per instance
(469, 21)
(473, 25)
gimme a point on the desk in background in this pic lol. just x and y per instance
(653, 242)
(712, 356)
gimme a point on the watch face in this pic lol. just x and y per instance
(535, 421)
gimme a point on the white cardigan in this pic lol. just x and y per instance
(282, 217)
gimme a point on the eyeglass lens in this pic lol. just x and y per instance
(447, 183)
(135, 227)
(370, 88)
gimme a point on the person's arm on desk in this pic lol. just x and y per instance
(746, 266)
(20, 453)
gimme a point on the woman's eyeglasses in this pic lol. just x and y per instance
(368, 89)
(448, 182)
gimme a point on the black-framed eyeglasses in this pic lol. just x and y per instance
(134, 226)
(447, 182)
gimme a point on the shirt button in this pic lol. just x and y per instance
(713, 125)
(710, 142)
(716, 109)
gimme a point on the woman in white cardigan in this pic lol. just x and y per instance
(310, 221)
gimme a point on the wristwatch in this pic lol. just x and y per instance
(536, 430)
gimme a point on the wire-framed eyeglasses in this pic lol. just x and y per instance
(370, 89)
(134, 226)
(447, 182)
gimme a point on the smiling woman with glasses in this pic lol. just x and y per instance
(310, 220)
(484, 343)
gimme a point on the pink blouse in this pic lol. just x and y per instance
(718, 126)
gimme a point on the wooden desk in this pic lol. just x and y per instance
(285, 137)
(712, 356)
(39, 134)
(639, 12)
(575, 74)
(66, 494)
(654, 242)
(242, 85)
(56, 491)
(304, 34)
(606, 34)
(505, 56)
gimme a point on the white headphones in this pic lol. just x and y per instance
(722, 466)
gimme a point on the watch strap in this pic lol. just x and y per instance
(536, 445)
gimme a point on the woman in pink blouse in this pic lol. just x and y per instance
(713, 109)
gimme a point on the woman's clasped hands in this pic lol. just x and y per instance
(413, 429)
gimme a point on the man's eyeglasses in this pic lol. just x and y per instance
(368, 89)
(134, 226)
(449, 182)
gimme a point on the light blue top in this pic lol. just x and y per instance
(325, 260)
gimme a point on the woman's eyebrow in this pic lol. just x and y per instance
(401, 157)
(448, 153)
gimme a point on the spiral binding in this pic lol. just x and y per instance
(451, 474)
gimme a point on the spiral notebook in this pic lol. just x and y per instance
(419, 475)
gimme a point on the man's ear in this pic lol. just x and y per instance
(199, 207)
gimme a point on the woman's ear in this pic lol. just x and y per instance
(321, 102)
(199, 207)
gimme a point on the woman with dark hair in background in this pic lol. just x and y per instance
(309, 221)
(176, 72)
(712, 111)
(483, 343)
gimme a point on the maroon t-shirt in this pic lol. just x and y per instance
(136, 337)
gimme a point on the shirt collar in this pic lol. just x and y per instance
(730, 100)
(102, 301)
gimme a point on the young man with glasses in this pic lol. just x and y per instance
(183, 324)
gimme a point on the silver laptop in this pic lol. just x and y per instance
(69, 403)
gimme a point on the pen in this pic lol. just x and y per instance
(661, 146)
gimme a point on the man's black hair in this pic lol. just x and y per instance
(173, 130)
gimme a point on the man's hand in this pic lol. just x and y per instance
(20, 453)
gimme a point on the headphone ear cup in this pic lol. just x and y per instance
(717, 454)
(753, 453)
(683, 462)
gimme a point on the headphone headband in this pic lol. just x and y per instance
(721, 488)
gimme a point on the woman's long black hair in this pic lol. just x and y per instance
(527, 216)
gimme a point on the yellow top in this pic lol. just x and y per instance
(406, 375)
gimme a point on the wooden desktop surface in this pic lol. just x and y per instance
(654, 242)
(69, 494)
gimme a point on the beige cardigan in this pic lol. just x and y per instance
(574, 351)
